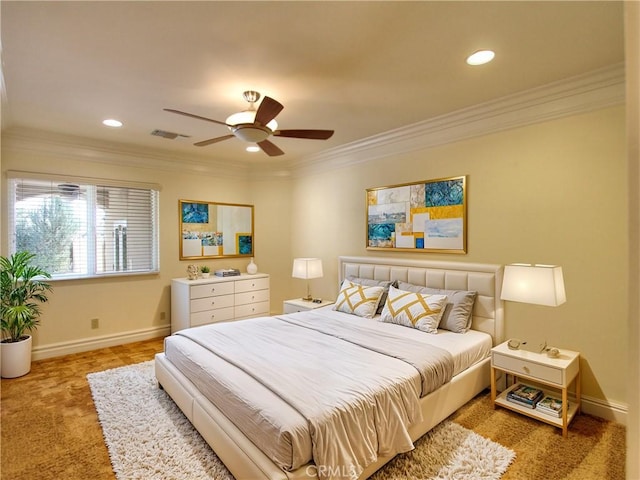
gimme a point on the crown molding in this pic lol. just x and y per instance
(575, 95)
(584, 93)
(50, 144)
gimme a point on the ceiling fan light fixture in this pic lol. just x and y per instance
(251, 133)
(248, 117)
(253, 148)
(480, 57)
(256, 125)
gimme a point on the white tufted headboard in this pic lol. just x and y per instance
(486, 279)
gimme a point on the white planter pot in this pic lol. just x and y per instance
(15, 358)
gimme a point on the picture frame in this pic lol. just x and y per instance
(428, 216)
(215, 230)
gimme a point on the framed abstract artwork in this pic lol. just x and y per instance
(215, 230)
(426, 216)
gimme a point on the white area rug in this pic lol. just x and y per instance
(148, 437)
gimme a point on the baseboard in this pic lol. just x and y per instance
(612, 411)
(94, 343)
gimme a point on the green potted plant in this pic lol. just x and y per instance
(23, 290)
(205, 271)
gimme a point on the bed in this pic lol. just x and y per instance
(209, 389)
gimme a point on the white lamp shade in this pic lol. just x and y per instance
(536, 284)
(307, 268)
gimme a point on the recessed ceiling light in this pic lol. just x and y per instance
(253, 148)
(480, 57)
(110, 122)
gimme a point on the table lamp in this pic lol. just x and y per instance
(307, 268)
(535, 284)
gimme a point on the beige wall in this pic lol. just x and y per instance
(554, 192)
(549, 193)
(124, 304)
(632, 53)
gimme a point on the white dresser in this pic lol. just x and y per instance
(218, 299)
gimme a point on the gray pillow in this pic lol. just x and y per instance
(457, 314)
(367, 282)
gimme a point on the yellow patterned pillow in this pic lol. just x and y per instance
(416, 310)
(358, 299)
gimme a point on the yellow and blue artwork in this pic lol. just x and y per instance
(427, 216)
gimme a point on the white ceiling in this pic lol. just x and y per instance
(360, 68)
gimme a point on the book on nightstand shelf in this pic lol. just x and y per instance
(551, 406)
(525, 395)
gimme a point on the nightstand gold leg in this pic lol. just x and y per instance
(564, 412)
(493, 387)
(578, 393)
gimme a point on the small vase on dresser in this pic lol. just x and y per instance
(252, 268)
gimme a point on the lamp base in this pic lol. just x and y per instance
(308, 298)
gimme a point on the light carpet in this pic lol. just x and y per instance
(148, 437)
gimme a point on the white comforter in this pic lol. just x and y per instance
(359, 402)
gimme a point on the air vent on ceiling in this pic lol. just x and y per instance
(169, 135)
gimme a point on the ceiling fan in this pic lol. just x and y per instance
(256, 126)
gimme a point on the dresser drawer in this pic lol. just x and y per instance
(212, 316)
(252, 297)
(517, 366)
(211, 303)
(252, 284)
(211, 289)
(252, 310)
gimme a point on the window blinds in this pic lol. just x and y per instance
(83, 229)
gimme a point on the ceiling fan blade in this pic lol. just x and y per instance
(270, 149)
(268, 110)
(195, 116)
(310, 134)
(204, 143)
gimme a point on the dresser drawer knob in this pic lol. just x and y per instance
(213, 290)
(213, 302)
(526, 369)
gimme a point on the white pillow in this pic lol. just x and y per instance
(415, 310)
(358, 299)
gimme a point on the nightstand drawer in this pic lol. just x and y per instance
(299, 305)
(530, 369)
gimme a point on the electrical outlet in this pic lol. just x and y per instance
(95, 323)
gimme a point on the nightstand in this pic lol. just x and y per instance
(299, 305)
(555, 373)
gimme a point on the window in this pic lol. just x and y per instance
(83, 227)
